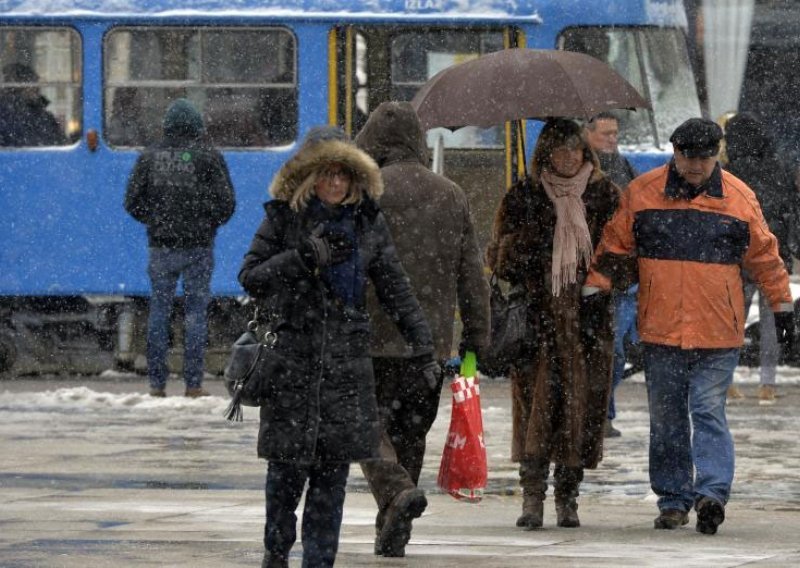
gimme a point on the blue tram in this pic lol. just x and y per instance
(72, 263)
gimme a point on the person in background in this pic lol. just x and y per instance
(734, 393)
(181, 190)
(602, 133)
(752, 158)
(692, 227)
(429, 218)
(127, 125)
(543, 236)
(24, 118)
(323, 237)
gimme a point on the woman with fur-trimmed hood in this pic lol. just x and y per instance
(544, 234)
(307, 267)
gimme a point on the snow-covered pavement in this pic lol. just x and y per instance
(94, 471)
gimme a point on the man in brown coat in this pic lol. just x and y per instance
(435, 240)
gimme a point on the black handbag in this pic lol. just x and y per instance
(512, 334)
(244, 376)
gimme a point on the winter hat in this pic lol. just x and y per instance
(323, 145)
(183, 119)
(697, 138)
(323, 134)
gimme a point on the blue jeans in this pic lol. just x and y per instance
(689, 459)
(624, 328)
(322, 513)
(166, 266)
(768, 349)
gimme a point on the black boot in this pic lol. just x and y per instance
(378, 528)
(609, 431)
(396, 530)
(274, 561)
(567, 482)
(533, 479)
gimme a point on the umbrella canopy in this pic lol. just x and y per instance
(522, 83)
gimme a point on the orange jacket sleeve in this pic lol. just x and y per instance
(763, 262)
(616, 241)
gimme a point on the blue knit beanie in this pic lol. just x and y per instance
(182, 118)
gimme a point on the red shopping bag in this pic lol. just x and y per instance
(463, 470)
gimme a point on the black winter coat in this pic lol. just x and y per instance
(321, 402)
(753, 159)
(181, 189)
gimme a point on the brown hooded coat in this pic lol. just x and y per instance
(430, 222)
(560, 389)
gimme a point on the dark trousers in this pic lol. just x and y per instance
(407, 414)
(322, 514)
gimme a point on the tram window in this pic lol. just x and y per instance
(242, 79)
(656, 62)
(416, 56)
(40, 86)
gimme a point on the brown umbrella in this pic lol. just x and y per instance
(522, 83)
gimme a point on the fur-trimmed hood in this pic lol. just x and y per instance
(316, 152)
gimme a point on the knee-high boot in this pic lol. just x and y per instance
(533, 480)
(565, 489)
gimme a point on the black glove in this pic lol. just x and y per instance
(332, 248)
(428, 370)
(463, 347)
(784, 327)
(593, 315)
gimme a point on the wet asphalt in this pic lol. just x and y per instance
(95, 474)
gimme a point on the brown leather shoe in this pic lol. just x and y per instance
(196, 392)
(671, 519)
(734, 393)
(158, 393)
(766, 395)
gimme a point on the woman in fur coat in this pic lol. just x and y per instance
(543, 237)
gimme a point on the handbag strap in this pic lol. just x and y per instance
(252, 325)
(269, 338)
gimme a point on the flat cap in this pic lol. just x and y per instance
(697, 138)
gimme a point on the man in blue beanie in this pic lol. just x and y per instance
(181, 190)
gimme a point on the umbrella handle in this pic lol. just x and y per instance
(521, 141)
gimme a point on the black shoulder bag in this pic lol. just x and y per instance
(243, 379)
(511, 334)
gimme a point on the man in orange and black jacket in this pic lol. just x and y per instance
(691, 228)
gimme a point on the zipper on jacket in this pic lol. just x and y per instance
(321, 370)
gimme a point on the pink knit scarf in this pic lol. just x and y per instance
(572, 244)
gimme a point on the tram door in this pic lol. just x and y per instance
(372, 64)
